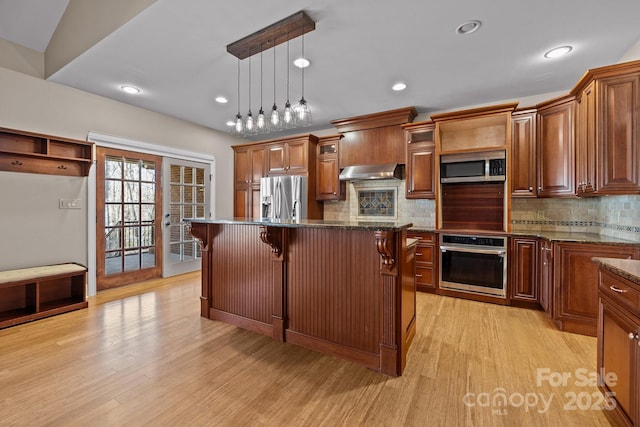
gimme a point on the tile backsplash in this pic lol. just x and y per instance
(617, 216)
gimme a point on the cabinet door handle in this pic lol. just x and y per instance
(618, 290)
(539, 188)
(334, 193)
(632, 336)
(530, 188)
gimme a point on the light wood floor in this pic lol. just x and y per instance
(141, 355)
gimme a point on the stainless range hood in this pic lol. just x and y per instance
(363, 172)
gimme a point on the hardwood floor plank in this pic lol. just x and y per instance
(141, 355)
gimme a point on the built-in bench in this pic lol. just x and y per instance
(32, 293)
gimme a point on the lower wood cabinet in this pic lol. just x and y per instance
(575, 283)
(426, 264)
(618, 347)
(523, 273)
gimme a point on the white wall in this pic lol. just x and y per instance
(32, 228)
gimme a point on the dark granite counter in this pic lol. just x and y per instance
(309, 223)
(627, 268)
(553, 236)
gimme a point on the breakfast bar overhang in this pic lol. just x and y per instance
(346, 289)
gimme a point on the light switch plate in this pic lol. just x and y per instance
(70, 204)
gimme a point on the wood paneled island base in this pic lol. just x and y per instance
(345, 289)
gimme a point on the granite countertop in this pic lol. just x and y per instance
(553, 236)
(309, 223)
(627, 268)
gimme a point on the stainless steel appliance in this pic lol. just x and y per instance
(482, 166)
(283, 197)
(474, 264)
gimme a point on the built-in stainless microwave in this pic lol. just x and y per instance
(473, 167)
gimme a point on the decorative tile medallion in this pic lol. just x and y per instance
(377, 203)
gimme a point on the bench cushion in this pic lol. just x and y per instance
(39, 272)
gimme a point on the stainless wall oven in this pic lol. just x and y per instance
(475, 264)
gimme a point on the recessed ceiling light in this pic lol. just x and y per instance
(130, 89)
(221, 99)
(231, 123)
(468, 27)
(558, 51)
(399, 86)
(302, 62)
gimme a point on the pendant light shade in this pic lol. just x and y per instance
(288, 115)
(275, 121)
(303, 112)
(249, 124)
(238, 127)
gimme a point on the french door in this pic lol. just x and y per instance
(186, 187)
(128, 217)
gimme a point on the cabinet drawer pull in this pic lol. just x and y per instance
(62, 167)
(16, 163)
(418, 275)
(618, 290)
(419, 253)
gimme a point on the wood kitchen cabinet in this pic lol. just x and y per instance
(421, 160)
(556, 149)
(575, 283)
(289, 157)
(329, 186)
(586, 142)
(523, 271)
(294, 155)
(249, 167)
(618, 349)
(545, 275)
(523, 154)
(426, 261)
(608, 133)
(375, 138)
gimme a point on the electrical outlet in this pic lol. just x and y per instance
(70, 204)
(539, 214)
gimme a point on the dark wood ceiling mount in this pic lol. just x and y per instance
(286, 29)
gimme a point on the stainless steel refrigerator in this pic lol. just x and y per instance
(283, 197)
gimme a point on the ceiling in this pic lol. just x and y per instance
(175, 52)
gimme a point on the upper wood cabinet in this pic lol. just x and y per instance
(618, 115)
(486, 128)
(375, 138)
(556, 149)
(22, 151)
(523, 173)
(249, 164)
(294, 155)
(329, 186)
(608, 134)
(288, 158)
(421, 160)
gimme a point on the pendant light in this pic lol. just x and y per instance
(261, 121)
(288, 115)
(238, 127)
(275, 124)
(249, 125)
(303, 112)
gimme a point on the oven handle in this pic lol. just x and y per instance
(499, 252)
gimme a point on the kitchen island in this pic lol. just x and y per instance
(346, 289)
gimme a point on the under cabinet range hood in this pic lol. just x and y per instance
(363, 172)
